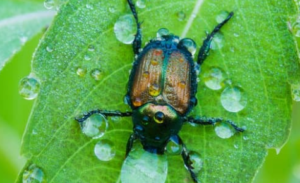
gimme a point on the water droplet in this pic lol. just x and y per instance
(95, 126)
(142, 166)
(88, 6)
(173, 147)
(137, 102)
(33, 174)
(181, 16)
(278, 149)
(162, 32)
(141, 4)
(233, 99)
(96, 74)
(154, 90)
(294, 25)
(189, 44)
(81, 71)
(181, 84)
(29, 88)
(236, 146)
(104, 150)
(49, 49)
(236, 34)
(224, 130)
(87, 57)
(112, 9)
(49, 4)
(213, 78)
(23, 39)
(91, 48)
(125, 29)
(197, 162)
(217, 42)
(222, 16)
(295, 89)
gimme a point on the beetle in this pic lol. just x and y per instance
(162, 91)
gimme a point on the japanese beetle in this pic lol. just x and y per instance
(162, 91)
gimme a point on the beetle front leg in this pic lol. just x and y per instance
(137, 42)
(213, 121)
(204, 50)
(104, 113)
(130, 143)
(187, 160)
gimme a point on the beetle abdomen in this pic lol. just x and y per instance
(164, 75)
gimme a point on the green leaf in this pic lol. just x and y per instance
(19, 22)
(256, 52)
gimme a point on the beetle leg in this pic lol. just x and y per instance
(213, 121)
(137, 42)
(104, 113)
(187, 161)
(206, 43)
(130, 143)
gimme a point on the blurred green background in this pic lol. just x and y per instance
(14, 113)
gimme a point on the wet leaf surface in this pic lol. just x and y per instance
(255, 52)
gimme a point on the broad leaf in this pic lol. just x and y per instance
(255, 52)
(19, 22)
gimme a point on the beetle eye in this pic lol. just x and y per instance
(189, 44)
(159, 117)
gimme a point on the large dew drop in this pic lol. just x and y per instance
(162, 32)
(142, 166)
(125, 29)
(95, 126)
(217, 42)
(222, 16)
(224, 130)
(233, 99)
(214, 79)
(33, 174)
(141, 4)
(173, 147)
(189, 44)
(197, 162)
(105, 150)
(96, 74)
(29, 88)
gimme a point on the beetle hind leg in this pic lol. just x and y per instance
(204, 50)
(213, 121)
(137, 42)
(187, 160)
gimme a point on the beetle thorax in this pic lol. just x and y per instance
(155, 124)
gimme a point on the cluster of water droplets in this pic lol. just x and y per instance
(233, 98)
(33, 174)
(95, 127)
